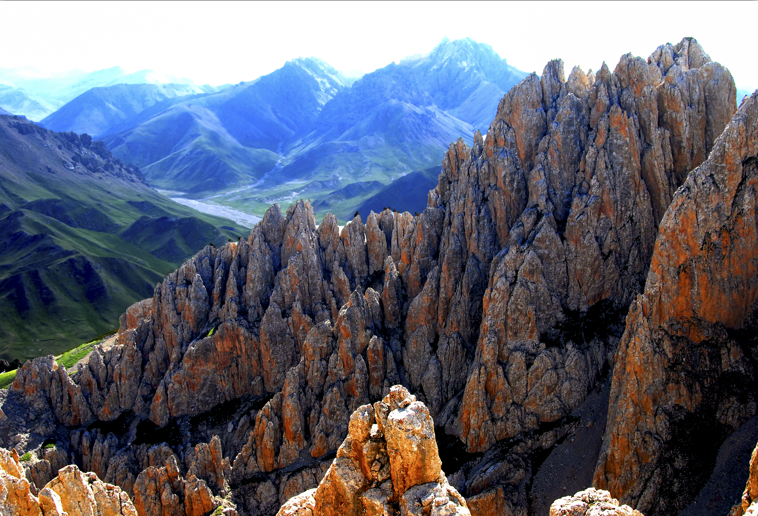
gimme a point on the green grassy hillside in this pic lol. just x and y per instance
(82, 237)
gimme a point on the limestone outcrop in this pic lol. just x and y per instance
(686, 365)
(388, 464)
(500, 307)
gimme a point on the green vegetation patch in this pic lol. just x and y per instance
(67, 360)
(7, 378)
(26, 457)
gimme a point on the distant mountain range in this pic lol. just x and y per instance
(24, 92)
(205, 144)
(99, 109)
(82, 236)
(304, 130)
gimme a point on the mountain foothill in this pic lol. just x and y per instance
(82, 237)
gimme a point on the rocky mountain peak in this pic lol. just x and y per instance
(687, 54)
(329, 79)
(454, 70)
(388, 464)
(457, 51)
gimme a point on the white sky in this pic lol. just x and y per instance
(228, 42)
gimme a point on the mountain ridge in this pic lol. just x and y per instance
(113, 105)
(260, 144)
(37, 97)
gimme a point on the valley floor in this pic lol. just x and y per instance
(240, 217)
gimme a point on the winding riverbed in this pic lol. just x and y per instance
(240, 217)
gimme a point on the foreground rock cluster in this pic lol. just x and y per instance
(502, 308)
(387, 465)
(71, 493)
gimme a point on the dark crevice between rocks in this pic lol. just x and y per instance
(727, 482)
(374, 280)
(218, 415)
(118, 427)
(225, 412)
(510, 452)
(149, 433)
(255, 478)
(453, 452)
(689, 456)
(601, 321)
(688, 460)
(306, 461)
(568, 465)
(560, 227)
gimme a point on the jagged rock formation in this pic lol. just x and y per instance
(71, 492)
(500, 306)
(601, 155)
(591, 502)
(162, 490)
(387, 465)
(686, 366)
(42, 467)
(749, 503)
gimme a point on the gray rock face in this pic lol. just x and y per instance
(684, 380)
(499, 307)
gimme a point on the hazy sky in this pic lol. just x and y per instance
(219, 43)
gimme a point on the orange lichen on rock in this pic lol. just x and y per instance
(703, 283)
(70, 492)
(388, 459)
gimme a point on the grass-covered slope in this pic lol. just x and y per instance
(82, 236)
(186, 148)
